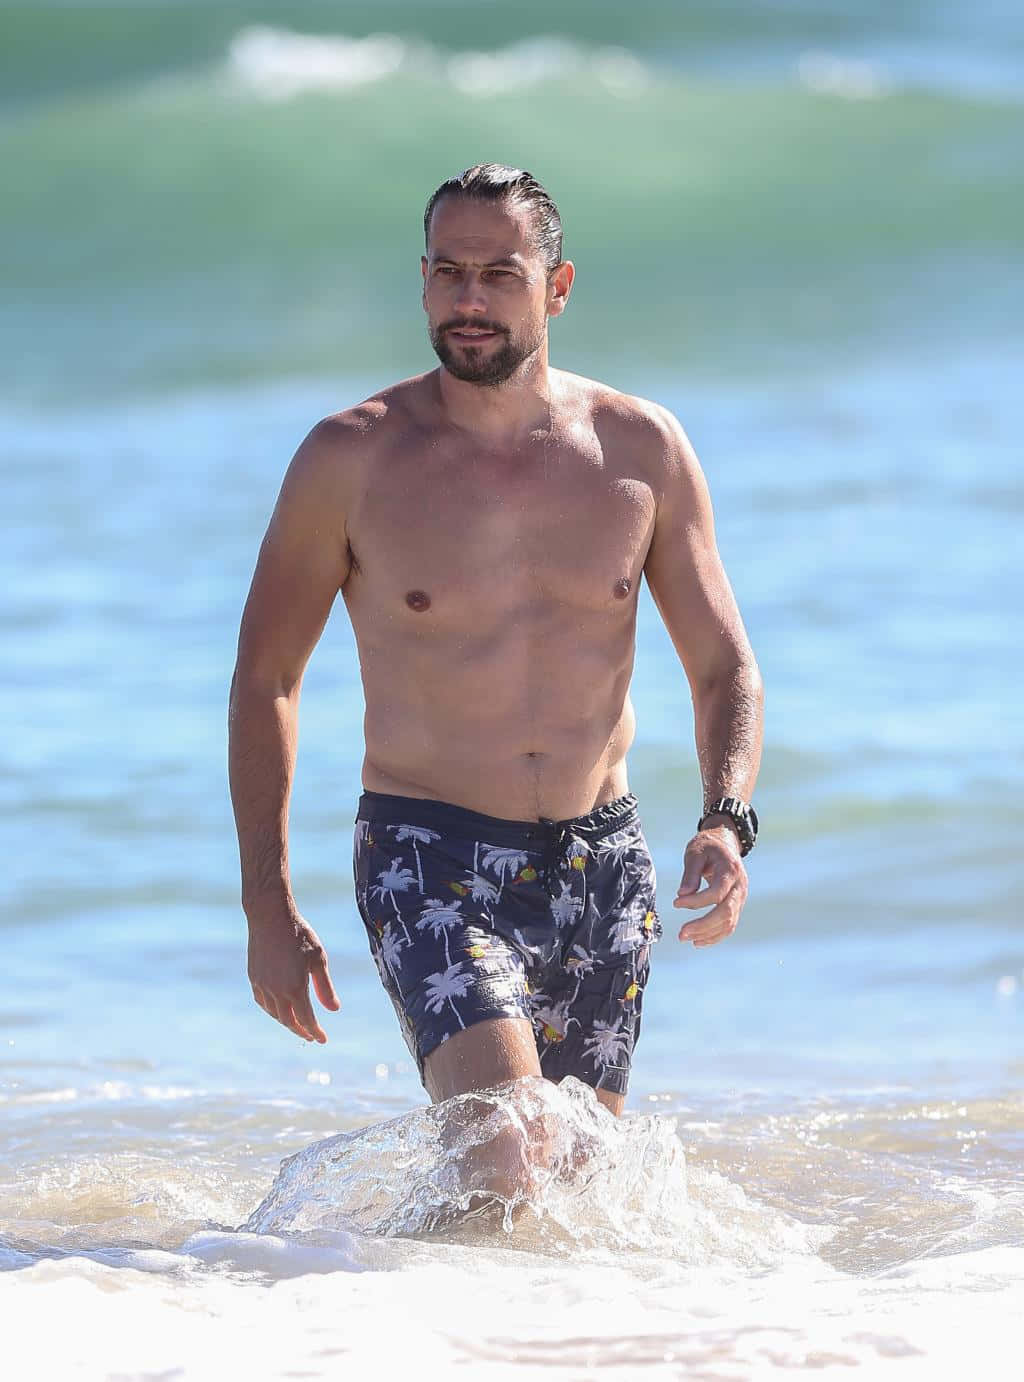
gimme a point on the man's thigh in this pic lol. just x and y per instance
(487, 1053)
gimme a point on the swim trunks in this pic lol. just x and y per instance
(472, 917)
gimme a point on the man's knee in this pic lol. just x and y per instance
(504, 1141)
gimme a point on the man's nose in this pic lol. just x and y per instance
(471, 296)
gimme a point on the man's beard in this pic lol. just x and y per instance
(484, 364)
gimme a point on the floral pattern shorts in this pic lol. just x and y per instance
(472, 917)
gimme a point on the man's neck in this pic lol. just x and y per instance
(499, 414)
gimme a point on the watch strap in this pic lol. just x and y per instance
(741, 813)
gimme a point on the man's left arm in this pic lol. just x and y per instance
(696, 602)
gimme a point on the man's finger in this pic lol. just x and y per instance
(717, 933)
(717, 889)
(322, 983)
(723, 873)
(723, 918)
(720, 920)
(304, 1015)
(693, 871)
(270, 1006)
(278, 1009)
(292, 1021)
(699, 930)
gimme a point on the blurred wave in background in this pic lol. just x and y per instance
(801, 227)
(208, 194)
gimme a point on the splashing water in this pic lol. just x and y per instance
(545, 1164)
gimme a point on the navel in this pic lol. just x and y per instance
(418, 600)
(622, 588)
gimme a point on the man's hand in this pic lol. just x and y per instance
(284, 951)
(713, 854)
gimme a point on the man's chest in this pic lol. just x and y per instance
(562, 526)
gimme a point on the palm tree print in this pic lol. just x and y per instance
(443, 988)
(570, 953)
(503, 862)
(634, 927)
(419, 835)
(628, 838)
(440, 916)
(581, 965)
(565, 908)
(480, 889)
(394, 879)
(391, 948)
(608, 1044)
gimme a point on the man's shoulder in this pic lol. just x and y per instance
(333, 458)
(624, 419)
(361, 426)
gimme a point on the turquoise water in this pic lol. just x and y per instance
(801, 228)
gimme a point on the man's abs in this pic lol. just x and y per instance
(544, 736)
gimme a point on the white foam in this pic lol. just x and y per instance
(278, 64)
(592, 1183)
(499, 1317)
(534, 60)
(277, 1257)
(116, 1091)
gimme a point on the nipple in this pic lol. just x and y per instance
(418, 600)
(622, 588)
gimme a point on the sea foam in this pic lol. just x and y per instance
(584, 1182)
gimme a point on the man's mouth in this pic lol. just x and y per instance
(471, 333)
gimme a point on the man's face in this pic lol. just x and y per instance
(486, 290)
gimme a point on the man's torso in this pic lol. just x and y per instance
(493, 597)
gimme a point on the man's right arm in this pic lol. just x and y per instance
(302, 564)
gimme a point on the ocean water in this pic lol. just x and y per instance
(801, 227)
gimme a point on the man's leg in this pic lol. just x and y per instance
(490, 1052)
(610, 1100)
(485, 1054)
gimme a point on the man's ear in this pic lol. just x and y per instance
(423, 271)
(561, 287)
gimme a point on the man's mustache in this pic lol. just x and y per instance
(472, 326)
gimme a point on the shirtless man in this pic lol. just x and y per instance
(488, 524)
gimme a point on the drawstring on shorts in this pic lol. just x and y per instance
(557, 857)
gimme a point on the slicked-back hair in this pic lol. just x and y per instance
(497, 182)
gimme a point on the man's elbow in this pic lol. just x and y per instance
(250, 681)
(741, 672)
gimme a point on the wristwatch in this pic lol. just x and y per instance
(742, 813)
